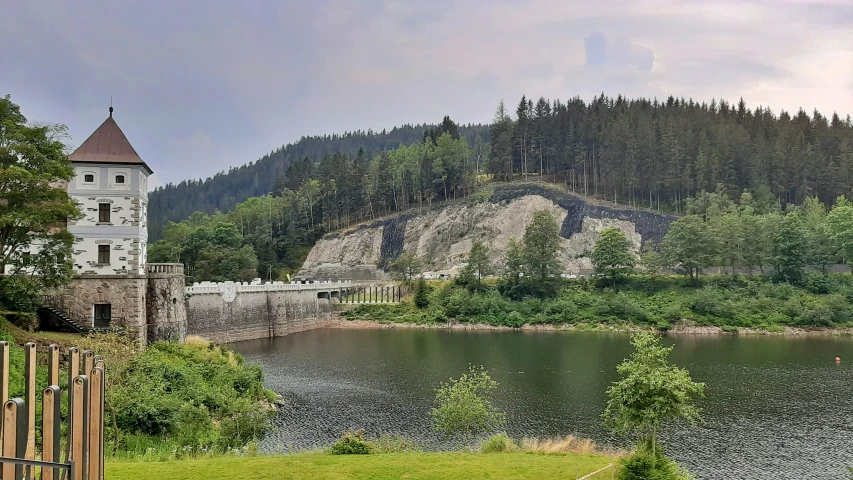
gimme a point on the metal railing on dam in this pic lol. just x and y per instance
(246, 287)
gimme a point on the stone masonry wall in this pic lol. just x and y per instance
(126, 293)
(253, 315)
(166, 308)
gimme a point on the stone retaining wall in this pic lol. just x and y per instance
(254, 315)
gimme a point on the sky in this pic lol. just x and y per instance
(202, 85)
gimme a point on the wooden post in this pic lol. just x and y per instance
(73, 366)
(30, 364)
(53, 365)
(77, 431)
(10, 413)
(99, 363)
(50, 431)
(4, 380)
(96, 398)
(88, 362)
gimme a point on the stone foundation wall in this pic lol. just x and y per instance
(126, 294)
(253, 315)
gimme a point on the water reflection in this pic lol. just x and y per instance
(777, 407)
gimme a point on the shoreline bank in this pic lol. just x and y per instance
(678, 329)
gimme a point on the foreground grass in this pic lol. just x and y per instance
(432, 466)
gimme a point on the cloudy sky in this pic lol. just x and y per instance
(201, 85)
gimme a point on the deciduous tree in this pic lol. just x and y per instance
(611, 256)
(34, 206)
(464, 405)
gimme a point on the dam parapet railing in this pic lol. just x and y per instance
(217, 288)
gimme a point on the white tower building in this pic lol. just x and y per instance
(111, 185)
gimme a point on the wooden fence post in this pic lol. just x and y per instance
(99, 363)
(96, 398)
(51, 418)
(77, 429)
(30, 363)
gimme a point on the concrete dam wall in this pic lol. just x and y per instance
(443, 236)
(232, 312)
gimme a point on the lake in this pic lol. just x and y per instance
(776, 407)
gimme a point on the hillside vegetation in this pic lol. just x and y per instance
(223, 191)
(639, 152)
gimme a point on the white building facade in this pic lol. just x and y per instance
(111, 186)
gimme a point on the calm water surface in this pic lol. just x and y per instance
(776, 407)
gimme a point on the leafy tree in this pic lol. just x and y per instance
(650, 393)
(820, 251)
(651, 260)
(210, 249)
(542, 245)
(33, 206)
(407, 266)
(840, 226)
(689, 245)
(476, 266)
(421, 294)
(513, 262)
(611, 255)
(463, 405)
(789, 249)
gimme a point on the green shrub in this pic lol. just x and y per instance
(729, 329)
(514, 320)
(498, 443)
(352, 443)
(645, 465)
(200, 395)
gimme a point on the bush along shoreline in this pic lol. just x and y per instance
(714, 304)
(166, 401)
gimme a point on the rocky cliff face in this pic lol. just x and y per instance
(443, 236)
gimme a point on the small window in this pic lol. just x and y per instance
(119, 178)
(60, 258)
(103, 213)
(104, 254)
(89, 178)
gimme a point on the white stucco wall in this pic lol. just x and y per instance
(126, 233)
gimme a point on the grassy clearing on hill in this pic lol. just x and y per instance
(411, 466)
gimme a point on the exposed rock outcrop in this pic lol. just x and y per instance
(443, 236)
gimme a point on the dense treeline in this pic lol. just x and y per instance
(272, 234)
(644, 152)
(225, 190)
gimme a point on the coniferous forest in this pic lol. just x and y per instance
(223, 191)
(642, 153)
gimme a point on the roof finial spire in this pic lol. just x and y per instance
(111, 106)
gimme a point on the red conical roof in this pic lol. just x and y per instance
(107, 145)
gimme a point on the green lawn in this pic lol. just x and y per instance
(410, 466)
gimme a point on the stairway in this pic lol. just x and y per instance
(65, 324)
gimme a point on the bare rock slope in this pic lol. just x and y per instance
(443, 236)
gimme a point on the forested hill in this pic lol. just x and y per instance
(225, 190)
(641, 151)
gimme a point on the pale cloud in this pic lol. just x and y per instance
(200, 86)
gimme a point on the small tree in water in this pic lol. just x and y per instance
(650, 392)
(463, 405)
